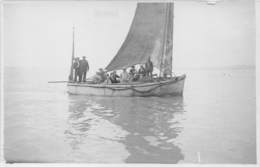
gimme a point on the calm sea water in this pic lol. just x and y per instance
(214, 122)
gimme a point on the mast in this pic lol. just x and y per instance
(164, 40)
(171, 20)
(72, 56)
(166, 56)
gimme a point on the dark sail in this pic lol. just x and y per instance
(150, 31)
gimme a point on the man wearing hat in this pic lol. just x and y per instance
(83, 69)
(76, 68)
(149, 68)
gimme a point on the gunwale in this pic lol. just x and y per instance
(129, 85)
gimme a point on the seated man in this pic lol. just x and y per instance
(113, 77)
(141, 72)
(132, 71)
(100, 76)
(124, 77)
(133, 74)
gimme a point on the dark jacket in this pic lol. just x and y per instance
(149, 66)
(76, 64)
(132, 71)
(83, 65)
(113, 78)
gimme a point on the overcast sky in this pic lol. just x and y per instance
(40, 34)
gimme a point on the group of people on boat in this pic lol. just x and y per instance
(133, 75)
(81, 68)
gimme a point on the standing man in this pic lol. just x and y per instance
(149, 68)
(76, 68)
(83, 69)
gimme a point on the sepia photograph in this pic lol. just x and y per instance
(129, 82)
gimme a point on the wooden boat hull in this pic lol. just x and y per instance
(173, 86)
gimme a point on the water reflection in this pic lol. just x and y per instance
(78, 125)
(144, 128)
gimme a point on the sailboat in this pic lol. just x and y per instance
(150, 36)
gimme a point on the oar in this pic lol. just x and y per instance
(57, 81)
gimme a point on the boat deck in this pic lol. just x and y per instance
(129, 84)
